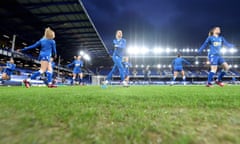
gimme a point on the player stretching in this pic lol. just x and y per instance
(119, 46)
(77, 63)
(177, 64)
(48, 47)
(215, 43)
(8, 69)
(126, 66)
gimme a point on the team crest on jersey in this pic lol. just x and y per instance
(216, 44)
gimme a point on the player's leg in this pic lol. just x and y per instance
(109, 76)
(213, 69)
(43, 68)
(118, 62)
(121, 70)
(4, 76)
(126, 77)
(80, 78)
(211, 74)
(49, 74)
(222, 73)
(183, 77)
(175, 73)
(225, 69)
(73, 78)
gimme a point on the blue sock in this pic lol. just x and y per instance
(210, 76)
(174, 78)
(80, 80)
(184, 78)
(35, 74)
(49, 77)
(72, 81)
(220, 76)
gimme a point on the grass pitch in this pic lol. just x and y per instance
(138, 115)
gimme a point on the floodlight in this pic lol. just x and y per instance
(157, 50)
(232, 50)
(133, 50)
(223, 50)
(82, 53)
(144, 50)
(86, 57)
(168, 50)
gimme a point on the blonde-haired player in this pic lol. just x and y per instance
(48, 48)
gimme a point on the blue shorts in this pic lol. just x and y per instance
(44, 58)
(216, 60)
(77, 70)
(178, 69)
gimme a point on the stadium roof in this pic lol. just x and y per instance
(74, 29)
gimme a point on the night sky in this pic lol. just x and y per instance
(172, 23)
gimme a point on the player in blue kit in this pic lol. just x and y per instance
(8, 69)
(77, 65)
(177, 65)
(119, 47)
(126, 66)
(48, 49)
(215, 43)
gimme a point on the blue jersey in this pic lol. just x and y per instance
(77, 64)
(48, 47)
(10, 67)
(178, 63)
(119, 46)
(126, 66)
(215, 44)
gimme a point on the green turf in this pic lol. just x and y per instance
(134, 115)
